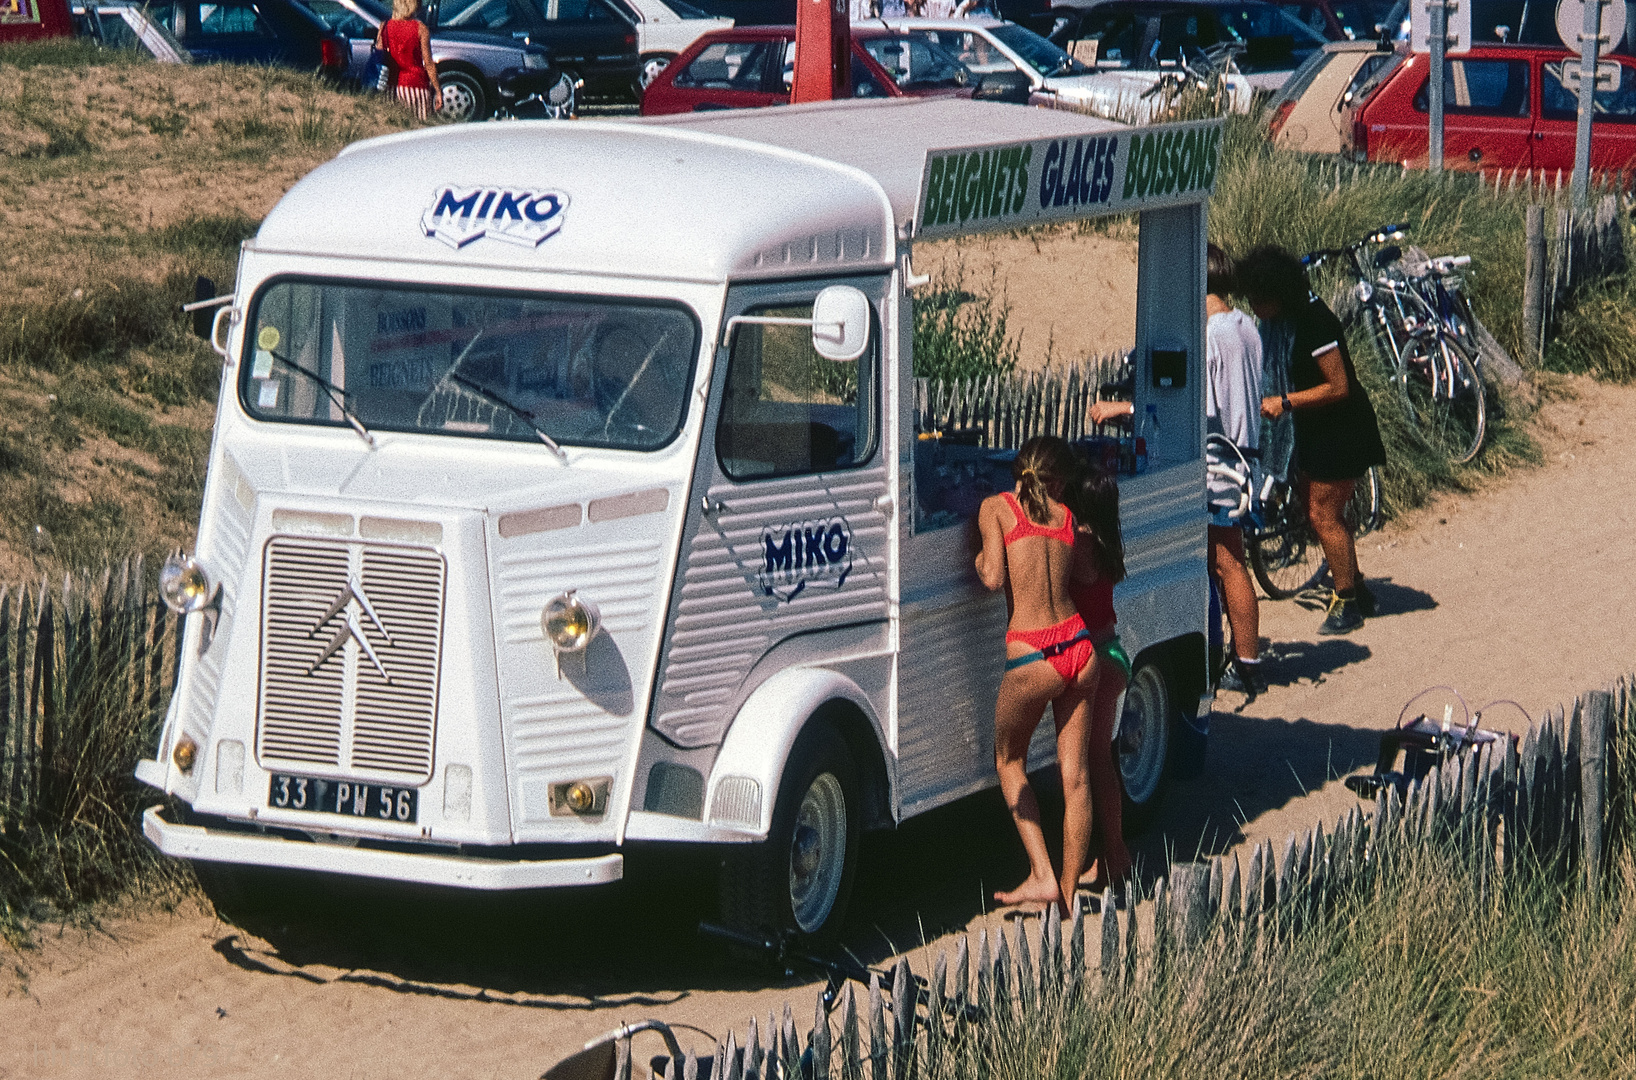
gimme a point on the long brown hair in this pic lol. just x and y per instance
(1044, 463)
(1094, 499)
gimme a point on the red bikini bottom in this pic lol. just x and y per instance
(1066, 647)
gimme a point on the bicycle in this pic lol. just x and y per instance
(1421, 324)
(1284, 553)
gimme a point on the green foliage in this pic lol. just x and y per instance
(960, 334)
(1595, 331)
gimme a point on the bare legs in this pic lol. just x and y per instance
(1237, 592)
(1106, 793)
(1326, 504)
(1024, 693)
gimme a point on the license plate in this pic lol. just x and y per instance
(348, 797)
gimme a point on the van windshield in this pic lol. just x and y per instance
(584, 371)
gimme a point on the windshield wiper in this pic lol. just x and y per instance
(336, 395)
(516, 410)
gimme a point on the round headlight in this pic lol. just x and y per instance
(569, 622)
(184, 584)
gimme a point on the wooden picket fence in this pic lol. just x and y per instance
(1542, 801)
(1004, 411)
(75, 661)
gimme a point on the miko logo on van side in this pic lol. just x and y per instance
(525, 217)
(795, 556)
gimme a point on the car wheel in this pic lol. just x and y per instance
(800, 878)
(653, 65)
(1142, 744)
(463, 97)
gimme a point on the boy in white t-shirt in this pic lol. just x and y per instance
(1232, 408)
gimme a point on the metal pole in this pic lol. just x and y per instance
(1590, 47)
(1437, 43)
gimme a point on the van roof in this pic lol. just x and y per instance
(710, 197)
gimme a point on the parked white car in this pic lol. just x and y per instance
(665, 27)
(990, 45)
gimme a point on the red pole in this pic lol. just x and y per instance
(823, 48)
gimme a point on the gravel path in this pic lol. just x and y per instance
(1522, 591)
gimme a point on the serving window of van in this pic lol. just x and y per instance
(786, 410)
(580, 370)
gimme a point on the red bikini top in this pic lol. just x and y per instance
(1025, 527)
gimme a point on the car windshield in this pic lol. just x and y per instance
(687, 11)
(581, 370)
(1040, 54)
(916, 63)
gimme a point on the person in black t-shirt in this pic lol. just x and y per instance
(1336, 436)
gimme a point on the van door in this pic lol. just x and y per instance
(1613, 135)
(788, 535)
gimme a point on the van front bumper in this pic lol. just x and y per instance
(454, 871)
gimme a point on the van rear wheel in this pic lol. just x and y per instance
(800, 878)
(1142, 745)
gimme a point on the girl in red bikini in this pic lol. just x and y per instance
(1100, 557)
(1029, 550)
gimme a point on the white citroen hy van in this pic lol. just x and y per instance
(565, 493)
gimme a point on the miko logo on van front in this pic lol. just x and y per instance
(525, 217)
(795, 556)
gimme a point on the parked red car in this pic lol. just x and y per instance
(1505, 107)
(749, 67)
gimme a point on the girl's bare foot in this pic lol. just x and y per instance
(1033, 891)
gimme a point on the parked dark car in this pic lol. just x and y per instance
(478, 71)
(1505, 107)
(282, 32)
(591, 39)
(1147, 34)
(751, 67)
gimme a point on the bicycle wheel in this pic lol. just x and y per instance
(1364, 512)
(1443, 397)
(1285, 555)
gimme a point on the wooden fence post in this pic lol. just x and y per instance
(1533, 281)
(1593, 783)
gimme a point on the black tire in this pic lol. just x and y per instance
(800, 878)
(1443, 397)
(465, 99)
(1285, 554)
(1142, 745)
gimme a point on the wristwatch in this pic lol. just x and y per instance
(1287, 406)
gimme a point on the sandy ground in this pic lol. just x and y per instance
(1519, 591)
(1071, 294)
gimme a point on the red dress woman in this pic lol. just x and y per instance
(406, 39)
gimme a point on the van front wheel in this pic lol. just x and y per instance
(800, 878)
(1142, 745)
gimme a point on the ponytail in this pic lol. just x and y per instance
(1043, 463)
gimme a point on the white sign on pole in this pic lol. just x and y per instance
(1459, 26)
(1607, 74)
(1570, 23)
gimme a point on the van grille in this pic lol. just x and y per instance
(341, 714)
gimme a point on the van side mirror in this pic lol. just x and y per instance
(840, 323)
(203, 289)
(1011, 87)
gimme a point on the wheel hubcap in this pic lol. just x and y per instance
(1141, 737)
(818, 852)
(458, 102)
(651, 70)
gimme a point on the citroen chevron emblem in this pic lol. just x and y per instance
(350, 600)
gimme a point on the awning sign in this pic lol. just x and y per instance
(1012, 185)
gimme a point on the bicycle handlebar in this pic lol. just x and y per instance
(1449, 262)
